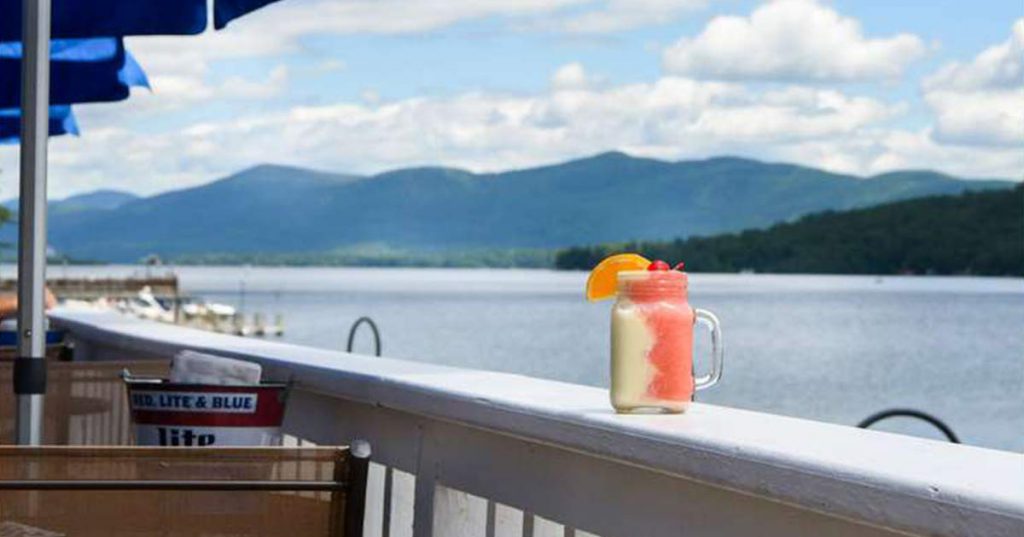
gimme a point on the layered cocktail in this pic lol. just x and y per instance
(652, 335)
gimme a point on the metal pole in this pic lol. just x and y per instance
(30, 365)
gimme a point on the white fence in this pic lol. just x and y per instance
(473, 453)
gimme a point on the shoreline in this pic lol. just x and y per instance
(8, 267)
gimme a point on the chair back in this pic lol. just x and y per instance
(120, 491)
(85, 402)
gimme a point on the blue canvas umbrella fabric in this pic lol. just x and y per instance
(62, 121)
(81, 71)
(106, 18)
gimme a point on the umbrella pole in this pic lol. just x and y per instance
(30, 365)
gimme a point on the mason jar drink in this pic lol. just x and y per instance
(652, 343)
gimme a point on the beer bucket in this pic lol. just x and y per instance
(174, 414)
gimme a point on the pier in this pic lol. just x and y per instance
(110, 288)
(166, 304)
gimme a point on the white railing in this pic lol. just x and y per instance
(463, 452)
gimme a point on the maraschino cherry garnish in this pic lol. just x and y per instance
(659, 265)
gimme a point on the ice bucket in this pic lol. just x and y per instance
(174, 414)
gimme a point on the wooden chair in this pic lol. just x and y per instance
(84, 404)
(80, 491)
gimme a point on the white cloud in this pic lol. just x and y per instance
(306, 17)
(918, 149)
(993, 117)
(180, 70)
(370, 96)
(671, 117)
(999, 66)
(180, 67)
(330, 65)
(795, 114)
(279, 26)
(981, 102)
(791, 40)
(570, 76)
(172, 90)
(877, 150)
(617, 15)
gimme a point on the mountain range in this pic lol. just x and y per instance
(605, 198)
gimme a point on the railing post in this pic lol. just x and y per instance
(355, 496)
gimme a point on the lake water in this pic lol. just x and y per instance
(832, 348)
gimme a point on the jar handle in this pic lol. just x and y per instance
(710, 321)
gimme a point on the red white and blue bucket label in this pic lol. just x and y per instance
(167, 414)
(162, 401)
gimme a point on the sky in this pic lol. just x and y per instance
(363, 86)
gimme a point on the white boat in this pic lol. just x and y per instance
(194, 308)
(147, 306)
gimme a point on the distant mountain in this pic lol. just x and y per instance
(970, 233)
(95, 200)
(608, 197)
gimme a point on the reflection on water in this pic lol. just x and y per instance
(833, 348)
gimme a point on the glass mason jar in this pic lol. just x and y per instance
(652, 343)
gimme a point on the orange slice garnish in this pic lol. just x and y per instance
(602, 281)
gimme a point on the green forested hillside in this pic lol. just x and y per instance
(973, 233)
(297, 213)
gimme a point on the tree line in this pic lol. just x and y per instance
(979, 233)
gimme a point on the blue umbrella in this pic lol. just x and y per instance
(62, 121)
(81, 71)
(70, 19)
(98, 18)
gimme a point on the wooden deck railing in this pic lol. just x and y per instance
(474, 453)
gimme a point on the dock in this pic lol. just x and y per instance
(109, 288)
(164, 302)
